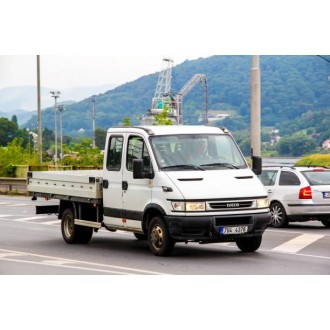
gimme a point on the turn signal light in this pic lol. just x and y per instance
(305, 193)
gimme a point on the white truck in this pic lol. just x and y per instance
(166, 184)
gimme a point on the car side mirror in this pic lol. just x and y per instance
(257, 165)
(138, 170)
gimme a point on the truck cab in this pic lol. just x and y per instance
(170, 184)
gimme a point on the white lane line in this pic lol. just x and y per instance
(30, 218)
(5, 215)
(60, 262)
(53, 222)
(298, 243)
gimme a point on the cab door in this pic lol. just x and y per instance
(112, 182)
(136, 192)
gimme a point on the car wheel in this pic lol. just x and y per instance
(72, 233)
(326, 223)
(278, 215)
(160, 241)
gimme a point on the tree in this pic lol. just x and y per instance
(8, 129)
(100, 136)
(162, 118)
(127, 121)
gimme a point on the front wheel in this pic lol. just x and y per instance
(249, 244)
(278, 215)
(160, 241)
(72, 233)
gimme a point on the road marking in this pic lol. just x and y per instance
(298, 243)
(30, 218)
(53, 222)
(76, 264)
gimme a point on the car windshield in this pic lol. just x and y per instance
(197, 152)
(317, 177)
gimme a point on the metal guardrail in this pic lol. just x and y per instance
(11, 185)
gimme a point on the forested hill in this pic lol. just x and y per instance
(290, 87)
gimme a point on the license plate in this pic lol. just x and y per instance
(326, 195)
(233, 230)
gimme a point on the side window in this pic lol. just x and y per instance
(115, 151)
(289, 179)
(137, 149)
(268, 177)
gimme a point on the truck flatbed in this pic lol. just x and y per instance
(81, 184)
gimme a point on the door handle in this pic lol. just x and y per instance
(270, 190)
(105, 184)
(124, 185)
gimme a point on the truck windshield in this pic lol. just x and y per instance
(196, 152)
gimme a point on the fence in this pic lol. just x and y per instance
(13, 185)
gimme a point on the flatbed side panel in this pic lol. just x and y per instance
(68, 198)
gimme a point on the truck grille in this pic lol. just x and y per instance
(229, 205)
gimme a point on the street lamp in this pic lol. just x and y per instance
(55, 95)
(93, 100)
(60, 108)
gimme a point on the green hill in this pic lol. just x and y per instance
(290, 87)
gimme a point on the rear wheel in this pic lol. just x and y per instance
(278, 215)
(72, 233)
(160, 241)
(249, 244)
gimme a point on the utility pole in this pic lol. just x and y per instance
(255, 107)
(60, 109)
(93, 100)
(55, 95)
(39, 112)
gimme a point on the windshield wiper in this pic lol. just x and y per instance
(228, 165)
(185, 166)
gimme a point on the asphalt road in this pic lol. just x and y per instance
(32, 244)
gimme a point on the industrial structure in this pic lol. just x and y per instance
(165, 100)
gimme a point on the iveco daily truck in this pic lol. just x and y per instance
(165, 184)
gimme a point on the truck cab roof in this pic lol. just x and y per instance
(169, 130)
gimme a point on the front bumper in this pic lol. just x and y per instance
(207, 228)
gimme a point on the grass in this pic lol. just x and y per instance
(315, 160)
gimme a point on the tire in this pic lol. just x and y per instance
(249, 244)
(278, 216)
(159, 239)
(72, 233)
(326, 223)
(141, 237)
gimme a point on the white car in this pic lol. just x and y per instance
(297, 194)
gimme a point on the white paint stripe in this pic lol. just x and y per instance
(10, 254)
(298, 243)
(4, 215)
(53, 222)
(121, 270)
(29, 218)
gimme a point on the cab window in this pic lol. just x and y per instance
(136, 149)
(115, 151)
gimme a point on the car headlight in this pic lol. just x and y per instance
(262, 203)
(188, 206)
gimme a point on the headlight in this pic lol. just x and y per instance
(262, 203)
(188, 206)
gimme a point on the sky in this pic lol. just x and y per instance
(70, 71)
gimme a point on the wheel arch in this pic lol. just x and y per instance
(150, 211)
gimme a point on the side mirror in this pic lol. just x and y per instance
(257, 165)
(138, 172)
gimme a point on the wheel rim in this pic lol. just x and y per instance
(157, 237)
(68, 226)
(276, 215)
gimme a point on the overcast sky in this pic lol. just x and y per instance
(132, 36)
(61, 72)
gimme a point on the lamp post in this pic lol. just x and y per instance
(93, 100)
(60, 108)
(55, 95)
